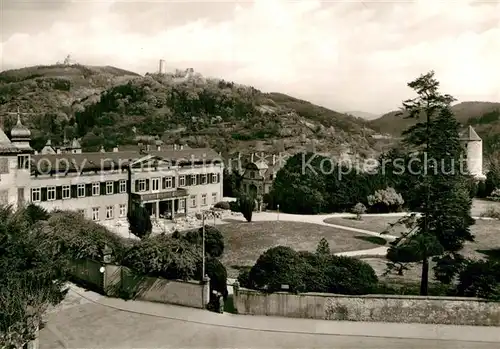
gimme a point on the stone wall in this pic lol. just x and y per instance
(186, 293)
(376, 308)
(119, 281)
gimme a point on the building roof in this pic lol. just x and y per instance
(19, 131)
(6, 146)
(68, 162)
(470, 135)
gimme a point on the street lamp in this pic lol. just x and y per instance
(278, 206)
(203, 244)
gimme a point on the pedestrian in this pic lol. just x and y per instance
(221, 303)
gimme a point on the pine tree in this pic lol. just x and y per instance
(323, 248)
(444, 199)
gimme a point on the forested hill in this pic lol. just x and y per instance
(110, 106)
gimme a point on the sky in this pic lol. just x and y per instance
(345, 55)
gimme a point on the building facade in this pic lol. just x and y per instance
(474, 153)
(106, 185)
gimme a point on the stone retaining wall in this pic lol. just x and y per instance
(375, 308)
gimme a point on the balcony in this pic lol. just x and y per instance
(166, 195)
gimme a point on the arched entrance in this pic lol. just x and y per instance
(252, 190)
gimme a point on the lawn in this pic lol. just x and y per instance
(379, 224)
(487, 244)
(245, 242)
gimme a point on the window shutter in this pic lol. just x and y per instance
(210, 179)
(58, 193)
(187, 180)
(147, 184)
(218, 177)
(88, 189)
(198, 179)
(103, 188)
(44, 194)
(136, 185)
(74, 191)
(164, 182)
(173, 182)
(116, 187)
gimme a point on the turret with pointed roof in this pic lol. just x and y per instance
(474, 151)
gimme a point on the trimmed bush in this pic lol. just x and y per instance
(276, 267)
(163, 256)
(139, 222)
(223, 205)
(247, 205)
(81, 238)
(309, 272)
(359, 209)
(214, 240)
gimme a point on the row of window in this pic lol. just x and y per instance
(109, 212)
(118, 187)
(193, 200)
(142, 185)
(78, 190)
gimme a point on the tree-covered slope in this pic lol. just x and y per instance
(109, 106)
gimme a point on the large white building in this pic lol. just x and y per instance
(105, 185)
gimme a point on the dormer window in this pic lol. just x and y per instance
(23, 162)
(252, 174)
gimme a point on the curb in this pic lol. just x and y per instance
(284, 331)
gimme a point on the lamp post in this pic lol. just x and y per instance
(278, 206)
(203, 244)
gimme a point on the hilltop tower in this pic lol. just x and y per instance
(162, 69)
(474, 151)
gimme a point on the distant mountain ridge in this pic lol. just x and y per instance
(393, 124)
(111, 106)
(363, 115)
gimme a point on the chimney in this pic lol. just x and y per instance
(158, 147)
(274, 159)
(115, 150)
(58, 151)
(102, 149)
(175, 146)
(147, 147)
(181, 147)
(251, 158)
(36, 152)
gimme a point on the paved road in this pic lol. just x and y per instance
(99, 322)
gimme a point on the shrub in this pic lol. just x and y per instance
(81, 238)
(139, 222)
(359, 209)
(491, 212)
(244, 278)
(310, 272)
(323, 248)
(224, 205)
(480, 279)
(214, 240)
(247, 205)
(481, 190)
(217, 274)
(385, 200)
(34, 213)
(495, 195)
(234, 206)
(276, 267)
(348, 275)
(163, 256)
